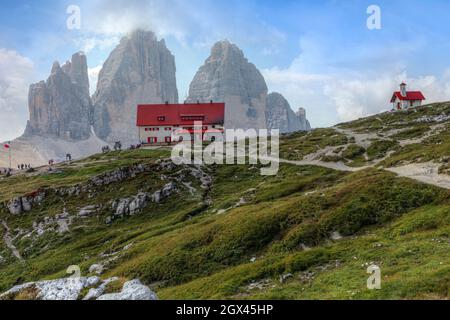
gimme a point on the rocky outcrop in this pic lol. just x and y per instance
(280, 116)
(59, 289)
(140, 70)
(227, 76)
(132, 290)
(132, 205)
(19, 205)
(104, 179)
(60, 107)
(71, 289)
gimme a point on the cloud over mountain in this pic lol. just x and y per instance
(16, 73)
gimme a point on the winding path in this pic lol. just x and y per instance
(427, 172)
(9, 243)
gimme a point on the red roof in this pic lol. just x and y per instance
(410, 95)
(180, 114)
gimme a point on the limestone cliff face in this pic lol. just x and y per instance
(139, 70)
(280, 116)
(228, 77)
(60, 107)
(304, 123)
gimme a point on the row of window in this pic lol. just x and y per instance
(153, 140)
(170, 129)
(192, 118)
(184, 118)
(157, 129)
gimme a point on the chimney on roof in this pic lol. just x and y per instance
(198, 101)
(210, 101)
(403, 89)
(167, 102)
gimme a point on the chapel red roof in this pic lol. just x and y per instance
(180, 114)
(410, 95)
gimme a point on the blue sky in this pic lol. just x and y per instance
(319, 54)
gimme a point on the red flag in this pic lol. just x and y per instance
(7, 146)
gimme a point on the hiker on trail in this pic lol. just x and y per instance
(50, 164)
(106, 149)
(68, 157)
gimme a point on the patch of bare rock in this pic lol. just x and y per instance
(72, 289)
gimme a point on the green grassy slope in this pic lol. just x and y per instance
(316, 228)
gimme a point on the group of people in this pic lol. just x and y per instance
(106, 149)
(23, 166)
(6, 171)
(118, 147)
(133, 147)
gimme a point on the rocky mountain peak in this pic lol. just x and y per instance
(60, 107)
(139, 70)
(225, 48)
(77, 70)
(227, 76)
(55, 67)
(280, 115)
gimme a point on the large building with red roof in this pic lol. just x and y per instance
(167, 123)
(406, 99)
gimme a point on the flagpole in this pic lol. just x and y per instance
(9, 149)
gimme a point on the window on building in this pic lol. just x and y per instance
(168, 139)
(161, 118)
(192, 118)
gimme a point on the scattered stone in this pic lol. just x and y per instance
(336, 236)
(96, 268)
(87, 211)
(132, 290)
(94, 293)
(260, 285)
(284, 277)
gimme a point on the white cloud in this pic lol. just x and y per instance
(191, 23)
(333, 94)
(89, 43)
(93, 77)
(16, 74)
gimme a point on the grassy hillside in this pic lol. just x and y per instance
(310, 232)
